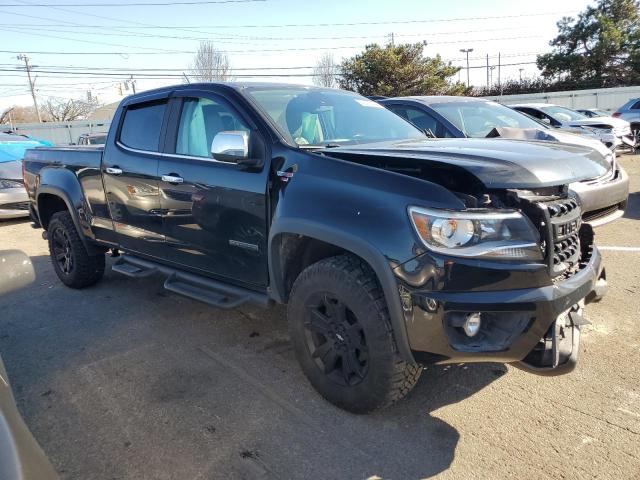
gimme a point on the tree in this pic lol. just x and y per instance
(325, 71)
(601, 48)
(19, 115)
(211, 64)
(396, 70)
(62, 110)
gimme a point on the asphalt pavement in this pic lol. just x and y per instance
(125, 380)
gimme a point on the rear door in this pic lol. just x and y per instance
(130, 173)
(215, 213)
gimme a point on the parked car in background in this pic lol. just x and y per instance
(613, 132)
(630, 112)
(603, 199)
(14, 202)
(390, 249)
(593, 112)
(92, 139)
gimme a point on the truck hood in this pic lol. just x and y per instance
(497, 162)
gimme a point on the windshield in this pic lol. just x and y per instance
(477, 119)
(561, 113)
(314, 117)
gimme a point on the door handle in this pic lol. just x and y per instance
(172, 179)
(114, 170)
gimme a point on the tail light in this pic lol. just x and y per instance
(616, 114)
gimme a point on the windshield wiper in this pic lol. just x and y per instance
(317, 147)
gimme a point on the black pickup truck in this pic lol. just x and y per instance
(390, 249)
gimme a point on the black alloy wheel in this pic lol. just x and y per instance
(336, 339)
(62, 250)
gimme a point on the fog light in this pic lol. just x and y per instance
(472, 324)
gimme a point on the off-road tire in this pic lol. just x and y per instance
(84, 269)
(388, 378)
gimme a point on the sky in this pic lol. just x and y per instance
(81, 46)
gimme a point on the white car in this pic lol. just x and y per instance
(613, 132)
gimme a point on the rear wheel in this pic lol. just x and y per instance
(341, 331)
(75, 267)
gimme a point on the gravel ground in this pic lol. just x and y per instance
(125, 380)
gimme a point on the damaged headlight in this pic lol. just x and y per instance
(494, 234)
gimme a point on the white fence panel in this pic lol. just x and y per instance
(61, 133)
(609, 99)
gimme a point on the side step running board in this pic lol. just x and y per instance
(203, 289)
(132, 270)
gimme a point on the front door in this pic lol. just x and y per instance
(214, 213)
(130, 173)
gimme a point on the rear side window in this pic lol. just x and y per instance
(142, 124)
(635, 106)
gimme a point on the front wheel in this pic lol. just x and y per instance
(341, 332)
(75, 267)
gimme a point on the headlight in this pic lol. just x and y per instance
(485, 234)
(11, 184)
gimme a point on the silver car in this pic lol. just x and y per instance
(613, 132)
(14, 202)
(630, 112)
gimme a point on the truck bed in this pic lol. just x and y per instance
(75, 156)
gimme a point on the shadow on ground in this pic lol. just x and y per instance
(124, 380)
(633, 206)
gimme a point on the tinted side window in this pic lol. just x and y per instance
(420, 119)
(200, 121)
(635, 106)
(142, 124)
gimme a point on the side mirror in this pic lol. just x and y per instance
(231, 146)
(16, 270)
(546, 121)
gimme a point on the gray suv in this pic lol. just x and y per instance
(630, 112)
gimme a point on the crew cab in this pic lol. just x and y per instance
(390, 249)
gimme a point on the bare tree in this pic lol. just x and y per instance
(19, 114)
(61, 110)
(210, 64)
(325, 71)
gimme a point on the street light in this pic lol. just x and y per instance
(467, 51)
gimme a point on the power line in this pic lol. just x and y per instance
(288, 25)
(121, 33)
(151, 4)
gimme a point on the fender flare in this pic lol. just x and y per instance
(355, 245)
(73, 208)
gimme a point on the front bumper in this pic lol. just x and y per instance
(14, 203)
(515, 320)
(603, 201)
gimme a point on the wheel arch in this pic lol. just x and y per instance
(60, 190)
(313, 242)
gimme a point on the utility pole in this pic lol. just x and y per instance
(467, 51)
(488, 84)
(520, 71)
(31, 84)
(499, 76)
(392, 37)
(133, 84)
